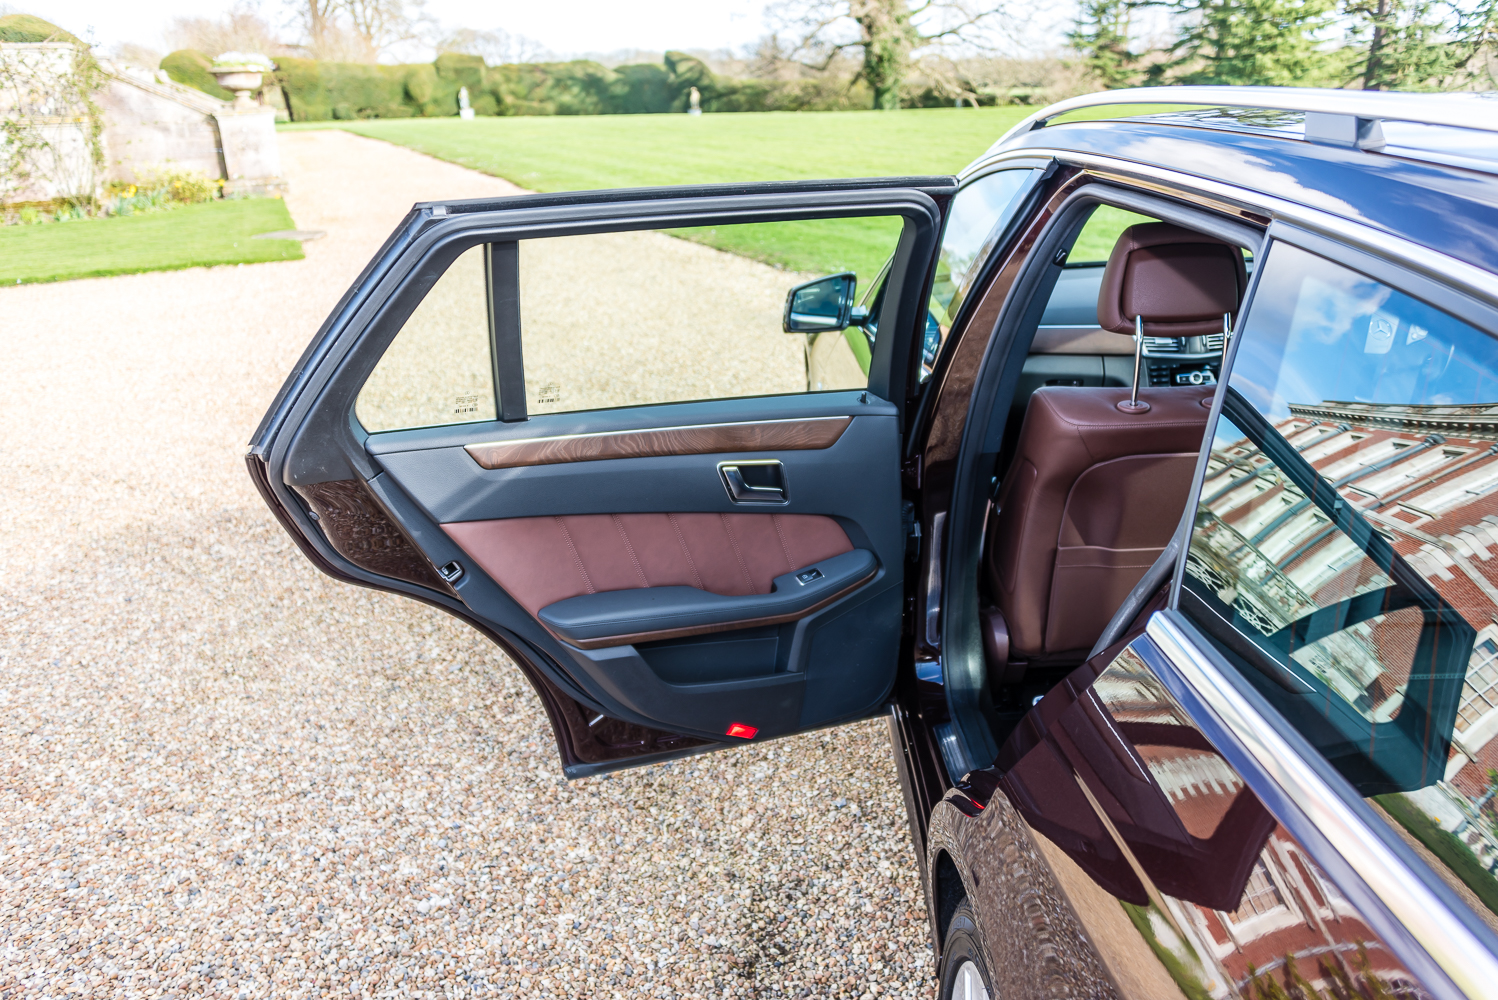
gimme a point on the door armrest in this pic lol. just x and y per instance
(617, 617)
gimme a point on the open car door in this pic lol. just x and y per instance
(578, 425)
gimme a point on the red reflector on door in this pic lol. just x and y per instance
(741, 730)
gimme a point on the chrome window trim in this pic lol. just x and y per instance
(1424, 908)
(1220, 196)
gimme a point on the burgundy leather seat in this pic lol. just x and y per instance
(1094, 492)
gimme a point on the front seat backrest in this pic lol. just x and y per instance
(1094, 492)
(1181, 282)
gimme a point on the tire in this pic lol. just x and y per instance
(964, 975)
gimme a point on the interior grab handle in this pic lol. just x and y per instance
(754, 481)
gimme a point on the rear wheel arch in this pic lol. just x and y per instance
(949, 890)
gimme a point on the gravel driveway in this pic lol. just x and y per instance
(223, 774)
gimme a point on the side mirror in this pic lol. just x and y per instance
(821, 305)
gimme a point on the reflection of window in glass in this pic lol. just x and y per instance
(1480, 695)
(976, 212)
(437, 370)
(979, 214)
(1260, 896)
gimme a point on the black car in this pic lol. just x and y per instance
(1155, 503)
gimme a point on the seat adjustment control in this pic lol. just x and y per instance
(808, 575)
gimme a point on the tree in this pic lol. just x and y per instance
(240, 30)
(497, 47)
(1101, 37)
(1264, 43)
(887, 32)
(1418, 44)
(380, 24)
(358, 30)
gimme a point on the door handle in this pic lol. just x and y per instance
(754, 481)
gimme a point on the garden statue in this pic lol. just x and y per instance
(694, 99)
(465, 110)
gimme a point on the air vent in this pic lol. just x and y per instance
(1162, 345)
(1214, 342)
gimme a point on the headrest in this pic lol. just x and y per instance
(1180, 281)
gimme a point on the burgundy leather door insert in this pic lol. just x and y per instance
(542, 560)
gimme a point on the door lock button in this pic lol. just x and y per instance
(808, 575)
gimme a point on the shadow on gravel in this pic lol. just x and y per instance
(219, 765)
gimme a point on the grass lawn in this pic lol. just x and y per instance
(1446, 846)
(215, 232)
(570, 153)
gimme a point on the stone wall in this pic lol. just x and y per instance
(149, 124)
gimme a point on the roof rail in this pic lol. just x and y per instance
(1456, 110)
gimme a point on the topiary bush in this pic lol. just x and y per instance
(28, 28)
(322, 91)
(189, 67)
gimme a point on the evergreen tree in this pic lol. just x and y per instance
(1101, 37)
(1418, 44)
(1270, 43)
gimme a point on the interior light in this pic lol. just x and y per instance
(741, 730)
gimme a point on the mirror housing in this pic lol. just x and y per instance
(822, 305)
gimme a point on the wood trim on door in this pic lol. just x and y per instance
(702, 439)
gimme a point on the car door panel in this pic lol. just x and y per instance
(545, 560)
(607, 548)
(1132, 794)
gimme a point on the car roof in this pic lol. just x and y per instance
(1420, 166)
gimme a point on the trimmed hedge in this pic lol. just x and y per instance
(324, 91)
(189, 67)
(28, 28)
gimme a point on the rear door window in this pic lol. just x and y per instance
(1345, 551)
(623, 319)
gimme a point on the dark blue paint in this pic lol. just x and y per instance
(1448, 209)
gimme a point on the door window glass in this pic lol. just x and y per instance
(437, 370)
(1342, 557)
(628, 319)
(636, 318)
(980, 213)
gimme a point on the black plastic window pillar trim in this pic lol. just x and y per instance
(502, 273)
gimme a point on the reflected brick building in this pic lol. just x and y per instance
(1289, 912)
(1427, 478)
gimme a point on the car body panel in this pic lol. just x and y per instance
(1433, 222)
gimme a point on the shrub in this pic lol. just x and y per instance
(319, 91)
(189, 67)
(185, 187)
(30, 28)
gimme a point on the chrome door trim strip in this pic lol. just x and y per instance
(1463, 956)
(1220, 196)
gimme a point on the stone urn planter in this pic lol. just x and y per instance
(241, 72)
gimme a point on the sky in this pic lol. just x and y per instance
(573, 27)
